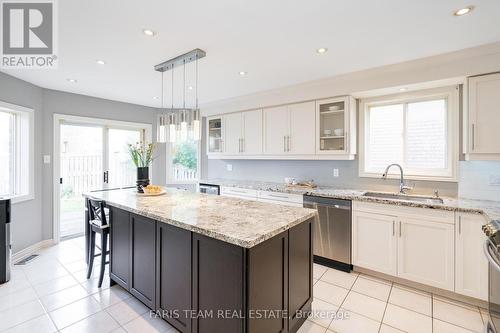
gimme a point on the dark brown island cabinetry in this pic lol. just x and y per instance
(203, 285)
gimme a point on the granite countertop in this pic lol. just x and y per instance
(236, 221)
(490, 209)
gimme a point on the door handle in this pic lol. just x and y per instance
(486, 248)
(473, 137)
(106, 177)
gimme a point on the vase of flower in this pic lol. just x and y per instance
(142, 156)
(142, 178)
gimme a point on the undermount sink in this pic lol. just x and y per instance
(428, 200)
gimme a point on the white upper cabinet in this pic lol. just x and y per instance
(252, 132)
(289, 129)
(302, 128)
(275, 130)
(484, 117)
(471, 268)
(215, 135)
(336, 126)
(286, 132)
(234, 132)
(240, 134)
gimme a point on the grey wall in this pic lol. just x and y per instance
(27, 216)
(32, 220)
(57, 102)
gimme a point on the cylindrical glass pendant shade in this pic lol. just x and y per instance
(161, 135)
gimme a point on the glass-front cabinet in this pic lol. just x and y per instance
(334, 120)
(215, 136)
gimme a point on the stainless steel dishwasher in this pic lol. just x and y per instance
(332, 231)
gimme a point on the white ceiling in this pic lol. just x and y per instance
(273, 40)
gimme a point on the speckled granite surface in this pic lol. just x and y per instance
(240, 222)
(491, 209)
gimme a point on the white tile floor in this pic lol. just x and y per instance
(355, 303)
(52, 294)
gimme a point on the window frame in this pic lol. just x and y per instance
(451, 96)
(24, 152)
(168, 161)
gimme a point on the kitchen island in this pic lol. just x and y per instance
(212, 264)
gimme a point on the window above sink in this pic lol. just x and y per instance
(418, 130)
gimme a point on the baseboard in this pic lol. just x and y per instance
(20, 255)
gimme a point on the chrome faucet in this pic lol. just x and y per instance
(402, 186)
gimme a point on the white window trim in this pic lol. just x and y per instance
(169, 167)
(30, 165)
(452, 96)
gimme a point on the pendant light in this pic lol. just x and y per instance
(172, 116)
(196, 113)
(184, 129)
(162, 121)
(179, 124)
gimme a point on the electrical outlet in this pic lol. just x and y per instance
(494, 180)
(46, 159)
(229, 167)
(335, 173)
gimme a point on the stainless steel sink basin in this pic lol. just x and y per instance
(422, 199)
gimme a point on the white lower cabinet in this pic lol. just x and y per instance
(471, 268)
(425, 252)
(415, 244)
(240, 193)
(287, 199)
(374, 242)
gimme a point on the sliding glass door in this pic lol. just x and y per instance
(121, 172)
(92, 157)
(81, 170)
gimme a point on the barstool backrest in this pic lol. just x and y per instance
(96, 212)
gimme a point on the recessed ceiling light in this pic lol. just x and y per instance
(403, 89)
(155, 97)
(463, 11)
(190, 87)
(148, 32)
(100, 62)
(322, 50)
(242, 73)
(71, 80)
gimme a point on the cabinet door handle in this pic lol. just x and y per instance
(394, 228)
(284, 143)
(400, 229)
(242, 145)
(288, 143)
(460, 225)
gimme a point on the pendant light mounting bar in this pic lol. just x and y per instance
(180, 60)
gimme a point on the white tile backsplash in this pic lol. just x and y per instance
(475, 180)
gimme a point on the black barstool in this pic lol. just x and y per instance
(98, 224)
